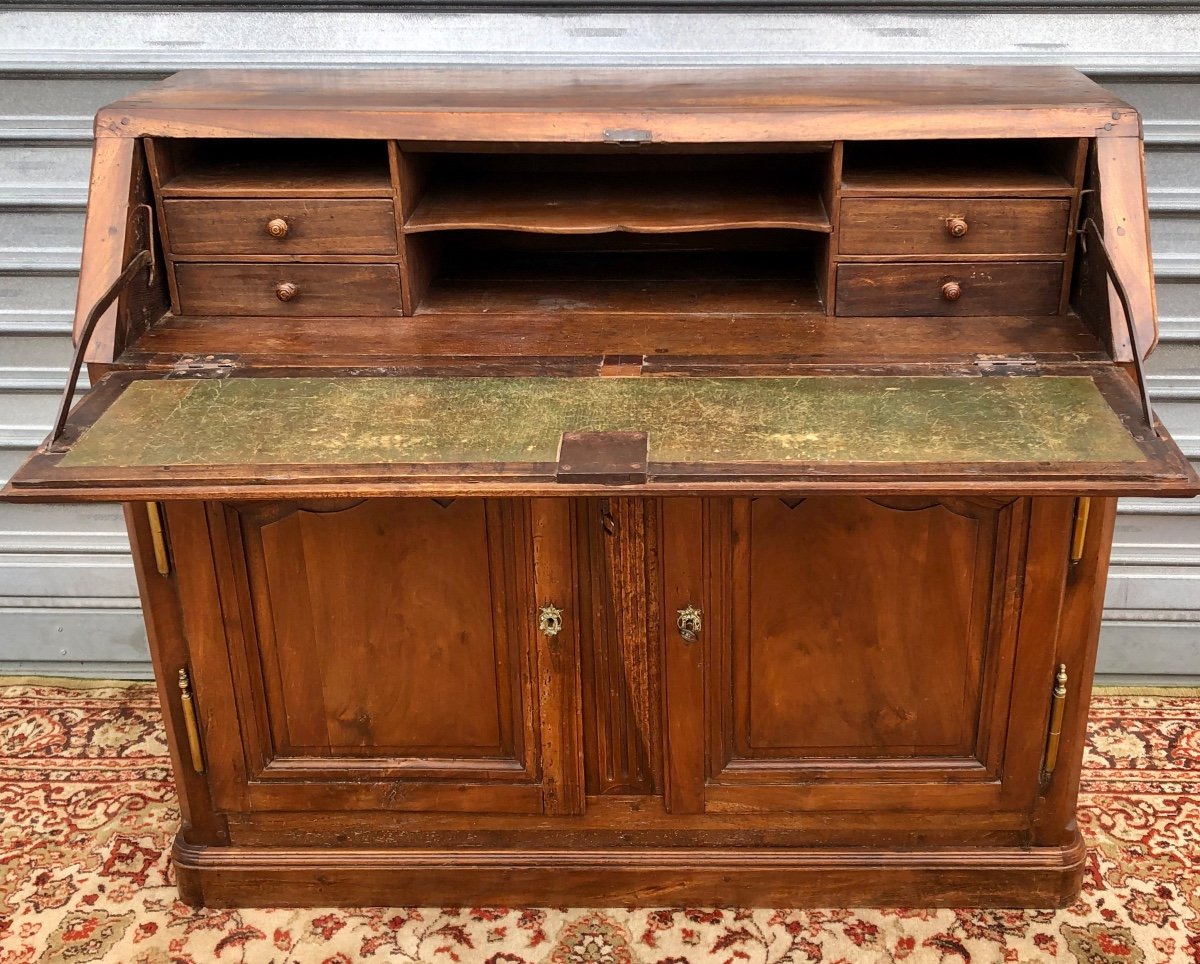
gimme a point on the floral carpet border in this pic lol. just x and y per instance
(87, 812)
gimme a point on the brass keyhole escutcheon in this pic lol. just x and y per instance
(550, 621)
(277, 228)
(957, 227)
(690, 622)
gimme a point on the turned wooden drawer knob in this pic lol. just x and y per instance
(952, 291)
(957, 227)
(277, 228)
(286, 291)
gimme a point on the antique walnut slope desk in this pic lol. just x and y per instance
(619, 486)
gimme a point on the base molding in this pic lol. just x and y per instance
(1042, 877)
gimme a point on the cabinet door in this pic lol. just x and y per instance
(378, 654)
(858, 652)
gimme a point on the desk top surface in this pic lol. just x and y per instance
(1049, 99)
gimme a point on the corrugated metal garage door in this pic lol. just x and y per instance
(67, 596)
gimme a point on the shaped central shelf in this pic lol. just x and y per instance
(645, 203)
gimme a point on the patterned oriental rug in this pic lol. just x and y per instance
(87, 812)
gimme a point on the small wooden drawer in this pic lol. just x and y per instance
(326, 226)
(907, 226)
(949, 288)
(288, 289)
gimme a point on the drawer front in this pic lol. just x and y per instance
(953, 226)
(288, 289)
(962, 288)
(281, 226)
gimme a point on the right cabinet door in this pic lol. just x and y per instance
(859, 653)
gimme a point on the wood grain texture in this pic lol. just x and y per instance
(987, 288)
(920, 226)
(672, 105)
(792, 608)
(283, 176)
(556, 582)
(998, 877)
(105, 234)
(620, 668)
(436, 700)
(946, 178)
(222, 227)
(210, 638)
(451, 726)
(1125, 223)
(925, 567)
(685, 582)
(201, 824)
(325, 290)
(577, 204)
(741, 338)
(619, 487)
(1083, 607)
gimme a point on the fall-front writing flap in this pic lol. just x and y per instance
(1075, 429)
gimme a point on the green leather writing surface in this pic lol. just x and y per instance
(368, 420)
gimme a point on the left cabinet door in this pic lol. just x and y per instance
(379, 654)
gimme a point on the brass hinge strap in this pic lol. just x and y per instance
(158, 539)
(190, 723)
(1083, 509)
(1058, 705)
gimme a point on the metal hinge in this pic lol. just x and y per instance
(1058, 705)
(190, 723)
(209, 366)
(158, 539)
(1005, 364)
(1083, 509)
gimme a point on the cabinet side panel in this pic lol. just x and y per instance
(1125, 220)
(1041, 611)
(208, 648)
(104, 238)
(1078, 635)
(168, 651)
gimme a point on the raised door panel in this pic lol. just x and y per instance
(384, 654)
(385, 630)
(855, 653)
(839, 596)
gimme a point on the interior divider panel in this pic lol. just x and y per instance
(270, 167)
(1017, 167)
(566, 203)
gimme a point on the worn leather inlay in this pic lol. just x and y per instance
(356, 420)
